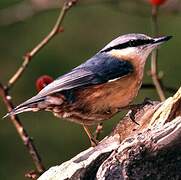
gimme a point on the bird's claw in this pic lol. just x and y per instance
(135, 108)
(94, 142)
(147, 101)
(132, 115)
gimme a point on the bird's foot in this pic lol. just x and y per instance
(98, 131)
(93, 141)
(137, 107)
(132, 114)
(147, 101)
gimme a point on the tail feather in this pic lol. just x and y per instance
(17, 111)
(29, 105)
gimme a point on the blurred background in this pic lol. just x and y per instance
(88, 27)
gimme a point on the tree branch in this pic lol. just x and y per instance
(154, 57)
(56, 29)
(4, 90)
(28, 142)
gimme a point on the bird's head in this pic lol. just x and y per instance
(133, 46)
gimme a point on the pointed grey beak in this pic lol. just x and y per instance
(160, 40)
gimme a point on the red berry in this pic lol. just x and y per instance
(43, 81)
(157, 2)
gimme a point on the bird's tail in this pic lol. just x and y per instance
(29, 105)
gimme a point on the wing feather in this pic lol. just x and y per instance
(76, 78)
(99, 69)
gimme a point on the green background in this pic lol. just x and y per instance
(88, 27)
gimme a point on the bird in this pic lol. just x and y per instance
(97, 89)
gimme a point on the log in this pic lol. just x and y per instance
(150, 150)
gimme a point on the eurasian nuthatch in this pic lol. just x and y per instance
(97, 89)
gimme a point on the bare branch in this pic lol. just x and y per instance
(4, 91)
(28, 142)
(154, 57)
(56, 29)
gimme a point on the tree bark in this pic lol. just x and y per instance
(150, 150)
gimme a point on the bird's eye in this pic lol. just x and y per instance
(132, 43)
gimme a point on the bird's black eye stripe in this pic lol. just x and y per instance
(131, 43)
(139, 42)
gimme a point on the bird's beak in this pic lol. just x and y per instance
(154, 43)
(160, 40)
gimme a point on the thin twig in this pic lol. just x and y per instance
(56, 29)
(28, 142)
(154, 57)
(4, 90)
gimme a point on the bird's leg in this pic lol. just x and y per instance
(93, 141)
(98, 131)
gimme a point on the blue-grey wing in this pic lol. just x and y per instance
(99, 69)
(108, 67)
(75, 78)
